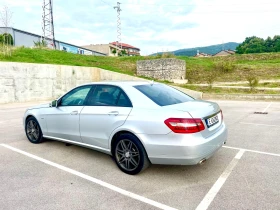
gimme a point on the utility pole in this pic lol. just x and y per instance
(119, 33)
(47, 24)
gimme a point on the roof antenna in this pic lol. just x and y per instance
(152, 83)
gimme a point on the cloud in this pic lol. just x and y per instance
(152, 25)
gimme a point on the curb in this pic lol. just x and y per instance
(253, 97)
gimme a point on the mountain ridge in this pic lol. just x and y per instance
(211, 49)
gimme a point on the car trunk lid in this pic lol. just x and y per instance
(203, 110)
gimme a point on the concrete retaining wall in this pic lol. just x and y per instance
(162, 69)
(23, 82)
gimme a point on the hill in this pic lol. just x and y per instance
(213, 49)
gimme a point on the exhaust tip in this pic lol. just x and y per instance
(201, 162)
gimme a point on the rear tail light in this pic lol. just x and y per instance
(185, 125)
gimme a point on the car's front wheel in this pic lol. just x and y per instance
(130, 155)
(33, 130)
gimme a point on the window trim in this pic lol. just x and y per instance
(121, 91)
(86, 98)
(135, 86)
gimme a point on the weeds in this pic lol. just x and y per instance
(6, 50)
(211, 77)
(253, 81)
(224, 67)
(41, 44)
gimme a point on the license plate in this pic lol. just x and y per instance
(212, 121)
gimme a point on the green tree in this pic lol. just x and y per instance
(255, 44)
(7, 39)
(114, 51)
(276, 45)
(1, 38)
(122, 53)
(269, 45)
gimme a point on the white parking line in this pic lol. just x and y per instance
(254, 151)
(267, 107)
(209, 197)
(94, 180)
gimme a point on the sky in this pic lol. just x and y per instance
(152, 25)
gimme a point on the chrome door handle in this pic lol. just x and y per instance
(113, 113)
(74, 113)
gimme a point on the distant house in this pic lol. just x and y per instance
(199, 55)
(27, 39)
(225, 53)
(112, 48)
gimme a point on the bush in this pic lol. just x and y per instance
(41, 44)
(253, 81)
(122, 53)
(190, 76)
(167, 55)
(114, 51)
(211, 77)
(224, 67)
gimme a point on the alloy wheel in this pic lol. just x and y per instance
(33, 130)
(127, 155)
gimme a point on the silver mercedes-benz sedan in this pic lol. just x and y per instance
(137, 123)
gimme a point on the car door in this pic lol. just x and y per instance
(63, 120)
(107, 108)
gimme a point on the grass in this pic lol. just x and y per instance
(126, 65)
(198, 70)
(270, 84)
(262, 66)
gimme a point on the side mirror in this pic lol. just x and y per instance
(53, 103)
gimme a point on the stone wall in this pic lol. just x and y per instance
(23, 82)
(162, 69)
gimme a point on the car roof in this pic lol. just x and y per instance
(120, 83)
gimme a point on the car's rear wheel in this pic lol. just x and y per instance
(33, 130)
(130, 155)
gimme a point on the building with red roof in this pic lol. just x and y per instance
(113, 48)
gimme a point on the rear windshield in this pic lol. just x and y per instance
(163, 95)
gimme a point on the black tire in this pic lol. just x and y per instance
(129, 154)
(33, 130)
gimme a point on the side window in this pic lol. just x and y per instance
(107, 95)
(123, 100)
(75, 97)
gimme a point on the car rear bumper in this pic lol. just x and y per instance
(183, 149)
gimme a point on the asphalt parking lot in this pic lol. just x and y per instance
(244, 174)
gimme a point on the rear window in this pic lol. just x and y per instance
(163, 95)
